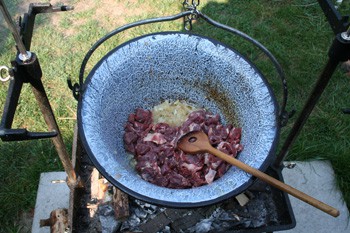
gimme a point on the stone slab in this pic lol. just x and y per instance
(53, 193)
(316, 178)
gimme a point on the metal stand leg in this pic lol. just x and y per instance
(339, 51)
(45, 107)
(308, 107)
(27, 70)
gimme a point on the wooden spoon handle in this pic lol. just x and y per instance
(276, 183)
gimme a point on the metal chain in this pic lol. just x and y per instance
(194, 16)
(194, 3)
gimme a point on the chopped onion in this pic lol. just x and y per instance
(172, 113)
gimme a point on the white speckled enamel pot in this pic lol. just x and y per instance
(147, 70)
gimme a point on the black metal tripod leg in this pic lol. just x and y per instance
(45, 107)
(339, 51)
(308, 107)
(11, 103)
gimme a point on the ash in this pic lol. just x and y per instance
(231, 216)
(140, 214)
(227, 216)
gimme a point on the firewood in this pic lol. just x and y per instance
(58, 221)
(120, 204)
(242, 199)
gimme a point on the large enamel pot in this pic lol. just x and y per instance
(147, 70)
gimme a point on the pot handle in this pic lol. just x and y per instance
(79, 88)
(192, 13)
(283, 114)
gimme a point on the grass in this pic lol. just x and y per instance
(296, 32)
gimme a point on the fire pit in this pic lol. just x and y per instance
(267, 210)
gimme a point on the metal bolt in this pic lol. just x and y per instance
(25, 57)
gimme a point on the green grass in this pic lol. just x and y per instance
(296, 32)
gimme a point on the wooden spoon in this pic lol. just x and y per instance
(198, 142)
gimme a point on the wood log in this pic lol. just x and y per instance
(94, 183)
(102, 189)
(242, 199)
(120, 204)
(58, 221)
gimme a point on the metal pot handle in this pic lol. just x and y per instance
(192, 14)
(283, 114)
(119, 30)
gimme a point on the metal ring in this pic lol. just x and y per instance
(4, 70)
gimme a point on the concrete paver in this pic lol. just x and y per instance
(316, 179)
(53, 193)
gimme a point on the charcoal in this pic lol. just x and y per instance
(131, 224)
(187, 220)
(156, 224)
(203, 226)
(165, 230)
(108, 222)
(134, 220)
(140, 213)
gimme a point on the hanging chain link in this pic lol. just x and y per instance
(194, 16)
(194, 3)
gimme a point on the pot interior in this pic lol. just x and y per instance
(146, 71)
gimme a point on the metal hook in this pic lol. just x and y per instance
(194, 16)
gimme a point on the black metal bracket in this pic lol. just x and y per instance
(27, 23)
(26, 72)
